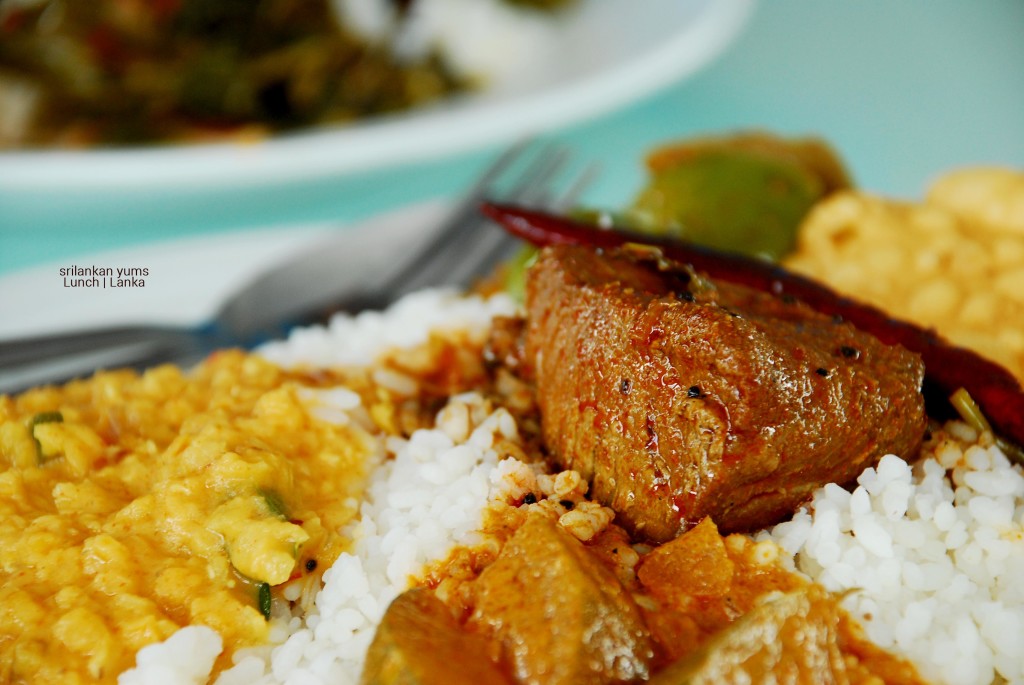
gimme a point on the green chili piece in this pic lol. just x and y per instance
(972, 415)
(515, 272)
(274, 503)
(264, 600)
(46, 417)
(969, 410)
(43, 417)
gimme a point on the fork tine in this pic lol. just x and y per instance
(484, 183)
(468, 246)
(464, 230)
(501, 245)
(461, 219)
(467, 219)
(490, 247)
(576, 188)
(531, 188)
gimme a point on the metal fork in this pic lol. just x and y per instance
(308, 288)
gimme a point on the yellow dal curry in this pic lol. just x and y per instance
(133, 505)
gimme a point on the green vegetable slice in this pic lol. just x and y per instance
(263, 599)
(275, 505)
(972, 415)
(730, 200)
(46, 417)
(43, 417)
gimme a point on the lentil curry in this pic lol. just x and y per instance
(133, 505)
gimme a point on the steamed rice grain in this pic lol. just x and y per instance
(931, 556)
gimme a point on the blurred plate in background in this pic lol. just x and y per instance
(612, 53)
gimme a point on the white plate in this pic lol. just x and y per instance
(614, 52)
(188, 279)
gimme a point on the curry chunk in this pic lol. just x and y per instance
(696, 585)
(419, 642)
(680, 398)
(790, 638)
(801, 636)
(560, 615)
(696, 563)
(727, 609)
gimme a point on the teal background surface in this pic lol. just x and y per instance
(903, 90)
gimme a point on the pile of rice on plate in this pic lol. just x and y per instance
(930, 555)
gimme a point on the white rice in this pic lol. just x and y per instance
(358, 341)
(184, 658)
(932, 558)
